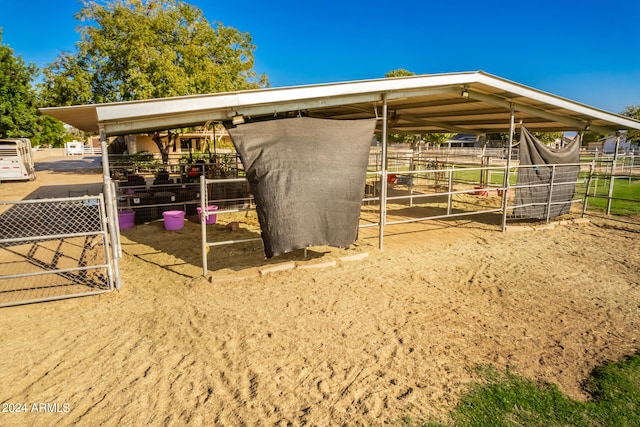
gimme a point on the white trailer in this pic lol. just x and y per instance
(16, 160)
(73, 147)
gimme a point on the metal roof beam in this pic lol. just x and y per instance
(427, 91)
(444, 126)
(456, 100)
(306, 104)
(470, 113)
(150, 124)
(575, 123)
(518, 90)
(349, 112)
(374, 99)
(185, 119)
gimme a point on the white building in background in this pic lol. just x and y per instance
(461, 140)
(608, 145)
(185, 143)
(74, 147)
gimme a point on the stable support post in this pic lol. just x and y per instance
(484, 181)
(613, 173)
(383, 175)
(203, 222)
(505, 193)
(553, 174)
(449, 190)
(111, 209)
(586, 194)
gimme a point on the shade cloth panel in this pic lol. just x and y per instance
(532, 201)
(307, 176)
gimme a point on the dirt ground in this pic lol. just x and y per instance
(351, 342)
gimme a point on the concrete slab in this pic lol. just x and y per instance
(315, 265)
(279, 267)
(518, 228)
(355, 257)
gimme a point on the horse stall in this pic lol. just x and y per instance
(299, 175)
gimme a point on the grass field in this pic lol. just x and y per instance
(626, 196)
(505, 399)
(626, 191)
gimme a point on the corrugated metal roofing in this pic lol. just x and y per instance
(473, 102)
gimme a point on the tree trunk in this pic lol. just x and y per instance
(164, 146)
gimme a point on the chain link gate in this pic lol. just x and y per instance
(54, 249)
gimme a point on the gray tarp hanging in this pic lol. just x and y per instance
(308, 177)
(532, 201)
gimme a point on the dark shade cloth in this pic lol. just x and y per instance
(532, 201)
(307, 177)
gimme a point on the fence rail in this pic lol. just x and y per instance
(453, 188)
(186, 167)
(54, 249)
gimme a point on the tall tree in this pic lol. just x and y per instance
(545, 137)
(400, 72)
(18, 111)
(51, 133)
(632, 111)
(142, 49)
(414, 139)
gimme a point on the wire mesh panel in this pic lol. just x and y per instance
(53, 249)
(150, 201)
(614, 190)
(545, 191)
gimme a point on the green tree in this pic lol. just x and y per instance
(18, 112)
(633, 136)
(66, 82)
(544, 137)
(414, 139)
(142, 49)
(437, 138)
(400, 72)
(50, 133)
(590, 136)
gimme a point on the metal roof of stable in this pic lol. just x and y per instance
(471, 102)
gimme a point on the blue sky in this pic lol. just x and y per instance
(585, 51)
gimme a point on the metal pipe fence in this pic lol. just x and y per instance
(452, 193)
(149, 200)
(555, 191)
(456, 192)
(434, 190)
(207, 187)
(614, 186)
(53, 249)
(183, 165)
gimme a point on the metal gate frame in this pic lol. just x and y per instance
(27, 228)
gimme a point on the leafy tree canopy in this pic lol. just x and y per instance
(590, 136)
(18, 112)
(19, 115)
(545, 137)
(142, 49)
(414, 139)
(51, 133)
(633, 112)
(400, 72)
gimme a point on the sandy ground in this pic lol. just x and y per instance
(365, 342)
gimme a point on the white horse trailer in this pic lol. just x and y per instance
(73, 147)
(16, 160)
